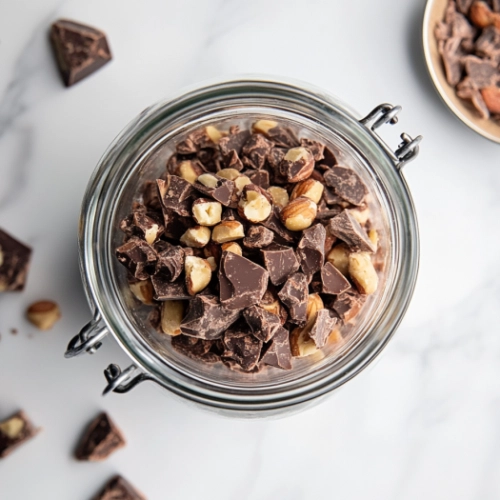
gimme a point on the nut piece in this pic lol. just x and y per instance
(335, 337)
(232, 247)
(363, 273)
(240, 182)
(491, 96)
(214, 134)
(254, 205)
(339, 257)
(207, 212)
(297, 165)
(196, 237)
(299, 214)
(208, 180)
(143, 291)
(309, 188)
(481, 15)
(314, 304)
(228, 230)
(264, 126)
(301, 344)
(373, 236)
(279, 195)
(198, 274)
(43, 314)
(361, 214)
(228, 173)
(188, 170)
(212, 263)
(12, 427)
(172, 313)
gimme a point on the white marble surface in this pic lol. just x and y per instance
(424, 422)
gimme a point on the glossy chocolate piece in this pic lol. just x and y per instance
(311, 250)
(347, 184)
(294, 295)
(283, 137)
(322, 327)
(345, 227)
(262, 323)
(242, 348)
(15, 260)
(195, 348)
(138, 257)
(278, 353)
(255, 150)
(258, 237)
(176, 194)
(334, 282)
(281, 262)
(170, 263)
(348, 305)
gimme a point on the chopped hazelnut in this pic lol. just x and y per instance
(207, 212)
(264, 126)
(299, 214)
(214, 133)
(143, 291)
(228, 230)
(309, 188)
(198, 274)
(254, 205)
(228, 173)
(189, 171)
(240, 182)
(232, 247)
(172, 313)
(279, 196)
(43, 314)
(208, 180)
(196, 237)
(339, 257)
(363, 273)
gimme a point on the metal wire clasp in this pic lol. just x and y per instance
(122, 382)
(88, 340)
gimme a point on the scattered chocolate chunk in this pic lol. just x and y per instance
(283, 137)
(164, 289)
(329, 159)
(488, 44)
(230, 148)
(334, 282)
(297, 164)
(176, 194)
(14, 431)
(170, 263)
(242, 348)
(242, 282)
(43, 314)
(258, 237)
(175, 225)
(259, 178)
(331, 198)
(207, 318)
(278, 353)
(13, 331)
(255, 150)
(138, 257)
(273, 222)
(142, 225)
(14, 263)
(195, 348)
(271, 303)
(281, 262)
(347, 184)
(348, 305)
(117, 488)
(294, 295)
(322, 328)
(217, 188)
(262, 323)
(150, 196)
(100, 440)
(316, 148)
(347, 228)
(311, 250)
(80, 50)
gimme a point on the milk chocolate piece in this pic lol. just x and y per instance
(138, 257)
(117, 488)
(258, 237)
(281, 263)
(195, 348)
(164, 289)
(255, 150)
(329, 159)
(315, 147)
(311, 250)
(176, 194)
(283, 137)
(262, 323)
(14, 431)
(348, 305)
(259, 178)
(170, 263)
(294, 295)
(100, 440)
(273, 222)
(80, 50)
(207, 318)
(345, 227)
(223, 192)
(278, 352)
(242, 347)
(14, 263)
(334, 282)
(242, 282)
(322, 328)
(347, 184)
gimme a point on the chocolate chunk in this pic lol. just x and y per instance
(138, 257)
(255, 150)
(14, 431)
(175, 225)
(482, 73)
(262, 323)
(278, 352)
(322, 327)
(274, 159)
(150, 196)
(14, 263)
(294, 295)
(186, 147)
(283, 136)
(348, 305)
(331, 198)
(271, 303)
(170, 263)
(230, 148)
(232, 160)
(347, 184)
(329, 159)
(164, 289)
(297, 165)
(80, 50)
(242, 282)
(258, 237)
(242, 347)
(273, 222)
(347, 228)
(315, 147)
(100, 440)
(117, 488)
(222, 192)
(154, 319)
(281, 263)
(333, 280)
(325, 213)
(196, 141)
(142, 225)
(311, 250)
(207, 318)
(195, 348)
(176, 194)
(259, 178)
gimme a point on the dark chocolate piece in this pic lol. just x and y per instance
(232, 160)
(255, 150)
(14, 431)
(14, 263)
(273, 222)
(117, 488)
(138, 257)
(311, 250)
(278, 352)
(348, 305)
(451, 54)
(331, 198)
(207, 318)
(347, 184)
(164, 289)
(281, 263)
(298, 168)
(294, 295)
(150, 196)
(329, 158)
(230, 148)
(195, 348)
(170, 263)
(175, 225)
(262, 323)
(100, 440)
(258, 237)
(140, 224)
(334, 282)
(176, 194)
(345, 227)
(271, 303)
(222, 192)
(195, 141)
(283, 137)
(242, 347)
(259, 178)
(242, 282)
(315, 147)
(80, 50)
(322, 327)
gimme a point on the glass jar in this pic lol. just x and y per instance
(139, 153)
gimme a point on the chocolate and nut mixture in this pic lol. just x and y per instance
(255, 246)
(469, 43)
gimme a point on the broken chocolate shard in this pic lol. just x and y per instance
(294, 295)
(207, 318)
(14, 263)
(242, 347)
(195, 348)
(15, 431)
(258, 237)
(259, 178)
(273, 222)
(176, 194)
(150, 196)
(334, 282)
(138, 257)
(170, 263)
(347, 184)
(316, 148)
(242, 282)
(311, 250)
(345, 227)
(221, 192)
(348, 305)
(80, 50)
(144, 226)
(262, 323)
(117, 488)
(255, 150)
(100, 440)
(329, 158)
(322, 327)
(278, 353)
(230, 148)
(283, 137)
(164, 289)
(281, 263)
